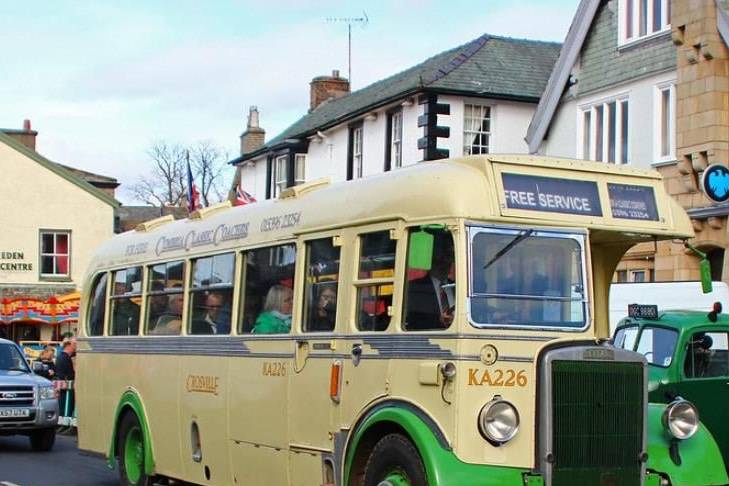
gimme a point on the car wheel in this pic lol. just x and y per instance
(394, 461)
(42, 440)
(130, 452)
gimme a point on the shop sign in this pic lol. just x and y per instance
(14, 261)
(715, 183)
(552, 195)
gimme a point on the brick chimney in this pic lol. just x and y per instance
(327, 87)
(254, 137)
(26, 136)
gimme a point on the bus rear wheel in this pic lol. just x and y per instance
(130, 452)
(394, 461)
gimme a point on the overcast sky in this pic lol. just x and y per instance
(103, 80)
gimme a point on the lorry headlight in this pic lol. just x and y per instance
(47, 393)
(498, 421)
(681, 418)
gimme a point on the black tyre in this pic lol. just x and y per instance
(42, 440)
(130, 452)
(394, 461)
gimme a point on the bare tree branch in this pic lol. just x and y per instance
(164, 184)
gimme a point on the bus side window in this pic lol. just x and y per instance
(322, 285)
(430, 294)
(97, 307)
(165, 298)
(268, 279)
(126, 299)
(375, 281)
(211, 294)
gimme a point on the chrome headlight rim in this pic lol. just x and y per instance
(488, 415)
(47, 393)
(681, 419)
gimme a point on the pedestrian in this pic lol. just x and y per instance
(65, 371)
(46, 359)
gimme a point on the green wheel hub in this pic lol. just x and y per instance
(395, 478)
(134, 455)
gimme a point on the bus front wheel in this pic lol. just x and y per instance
(130, 452)
(394, 461)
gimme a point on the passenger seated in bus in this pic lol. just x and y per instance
(699, 355)
(431, 299)
(325, 307)
(215, 318)
(276, 315)
(171, 321)
(157, 302)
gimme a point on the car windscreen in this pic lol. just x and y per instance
(11, 359)
(657, 344)
(527, 278)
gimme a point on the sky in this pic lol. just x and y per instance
(101, 81)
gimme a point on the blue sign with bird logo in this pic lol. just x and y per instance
(715, 183)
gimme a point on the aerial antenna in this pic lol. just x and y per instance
(362, 21)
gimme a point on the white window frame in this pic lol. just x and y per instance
(594, 109)
(670, 118)
(357, 157)
(468, 135)
(634, 6)
(54, 254)
(299, 169)
(396, 140)
(280, 178)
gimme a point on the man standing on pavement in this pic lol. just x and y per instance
(65, 371)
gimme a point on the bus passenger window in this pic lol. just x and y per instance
(97, 307)
(126, 299)
(322, 285)
(268, 278)
(375, 281)
(430, 295)
(211, 295)
(165, 298)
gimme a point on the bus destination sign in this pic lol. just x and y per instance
(633, 202)
(552, 195)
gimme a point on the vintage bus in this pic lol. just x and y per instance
(442, 324)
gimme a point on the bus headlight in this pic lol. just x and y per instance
(681, 419)
(498, 421)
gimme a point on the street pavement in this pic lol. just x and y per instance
(63, 466)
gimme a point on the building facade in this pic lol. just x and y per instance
(476, 98)
(54, 218)
(620, 94)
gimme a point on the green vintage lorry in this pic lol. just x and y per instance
(688, 357)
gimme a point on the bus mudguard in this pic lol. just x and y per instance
(130, 402)
(695, 461)
(442, 467)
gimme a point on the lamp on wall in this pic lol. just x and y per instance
(372, 116)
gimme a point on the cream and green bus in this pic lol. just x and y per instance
(442, 324)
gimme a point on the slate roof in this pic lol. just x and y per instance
(489, 66)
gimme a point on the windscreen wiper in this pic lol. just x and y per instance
(517, 239)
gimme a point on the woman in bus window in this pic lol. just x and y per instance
(276, 315)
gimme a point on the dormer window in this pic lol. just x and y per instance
(643, 18)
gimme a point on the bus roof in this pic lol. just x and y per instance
(501, 189)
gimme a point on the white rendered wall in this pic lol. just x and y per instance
(565, 134)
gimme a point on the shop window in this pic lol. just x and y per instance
(322, 285)
(165, 298)
(55, 253)
(268, 278)
(375, 281)
(211, 295)
(126, 299)
(97, 308)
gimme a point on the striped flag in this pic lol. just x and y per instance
(242, 197)
(193, 196)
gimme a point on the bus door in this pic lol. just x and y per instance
(373, 303)
(312, 411)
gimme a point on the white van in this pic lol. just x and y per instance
(666, 295)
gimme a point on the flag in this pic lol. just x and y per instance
(242, 197)
(193, 196)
